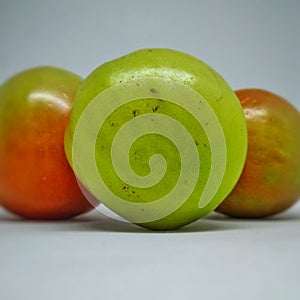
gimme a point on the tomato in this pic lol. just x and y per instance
(270, 182)
(36, 180)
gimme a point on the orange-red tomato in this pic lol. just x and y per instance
(270, 182)
(36, 180)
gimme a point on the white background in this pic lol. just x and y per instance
(251, 44)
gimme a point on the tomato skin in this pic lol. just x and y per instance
(270, 182)
(36, 180)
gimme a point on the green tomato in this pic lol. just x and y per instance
(157, 136)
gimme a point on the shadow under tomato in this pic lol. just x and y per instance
(292, 214)
(110, 225)
(96, 222)
(100, 222)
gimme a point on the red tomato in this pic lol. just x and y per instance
(270, 182)
(36, 180)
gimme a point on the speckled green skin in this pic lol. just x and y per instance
(193, 73)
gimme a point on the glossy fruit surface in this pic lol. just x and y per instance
(157, 136)
(36, 180)
(270, 182)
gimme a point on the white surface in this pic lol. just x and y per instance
(251, 44)
(97, 258)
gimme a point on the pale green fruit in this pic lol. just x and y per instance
(157, 136)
